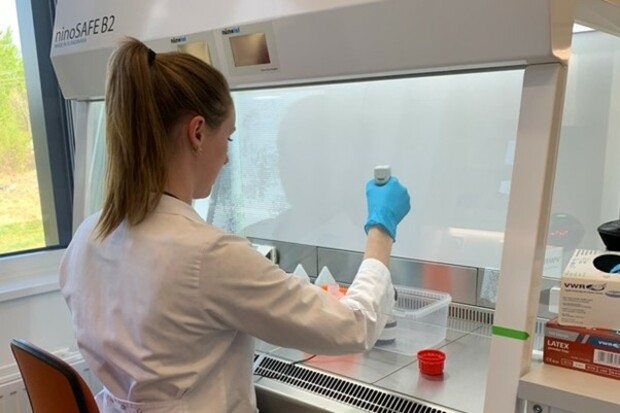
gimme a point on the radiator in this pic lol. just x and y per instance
(13, 396)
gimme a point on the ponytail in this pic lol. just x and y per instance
(146, 94)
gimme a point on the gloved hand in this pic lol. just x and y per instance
(615, 270)
(387, 205)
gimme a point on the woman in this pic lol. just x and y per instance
(165, 306)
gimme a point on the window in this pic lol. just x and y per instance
(35, 149)
(299, 163)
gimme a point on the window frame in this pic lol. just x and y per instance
(30, 272)
(52, 134)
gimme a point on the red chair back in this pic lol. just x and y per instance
(53, 386)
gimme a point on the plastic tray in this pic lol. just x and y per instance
(421, 317)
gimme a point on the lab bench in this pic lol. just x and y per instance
(383, 381)
(393, 376)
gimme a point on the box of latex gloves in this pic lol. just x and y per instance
(595, 351)
(590, 291)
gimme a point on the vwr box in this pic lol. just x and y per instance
(589, 294)
(595, 351)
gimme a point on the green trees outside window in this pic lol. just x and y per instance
(20, 206)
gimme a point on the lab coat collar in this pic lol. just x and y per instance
(171, 205)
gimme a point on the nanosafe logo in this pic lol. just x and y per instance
(82, 30)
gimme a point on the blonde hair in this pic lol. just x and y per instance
(146, 95)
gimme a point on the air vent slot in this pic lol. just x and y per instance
(484, 315)
(343, 391)
(468, 313)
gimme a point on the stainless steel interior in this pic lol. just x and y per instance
(462, 283)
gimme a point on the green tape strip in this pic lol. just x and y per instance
(510, 333)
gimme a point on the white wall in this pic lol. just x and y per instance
(42, 319)
(31, 306)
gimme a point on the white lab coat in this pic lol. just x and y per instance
(165, 312)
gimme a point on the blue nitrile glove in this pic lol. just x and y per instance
(615, 270)
(387, 205)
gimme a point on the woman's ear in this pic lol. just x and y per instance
(196, 132)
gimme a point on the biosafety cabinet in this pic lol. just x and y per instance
(502, 117)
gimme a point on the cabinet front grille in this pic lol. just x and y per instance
(344, 391)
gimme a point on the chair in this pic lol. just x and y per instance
(53, 386)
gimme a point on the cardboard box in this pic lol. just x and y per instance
(590, 296)
(594, 351)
